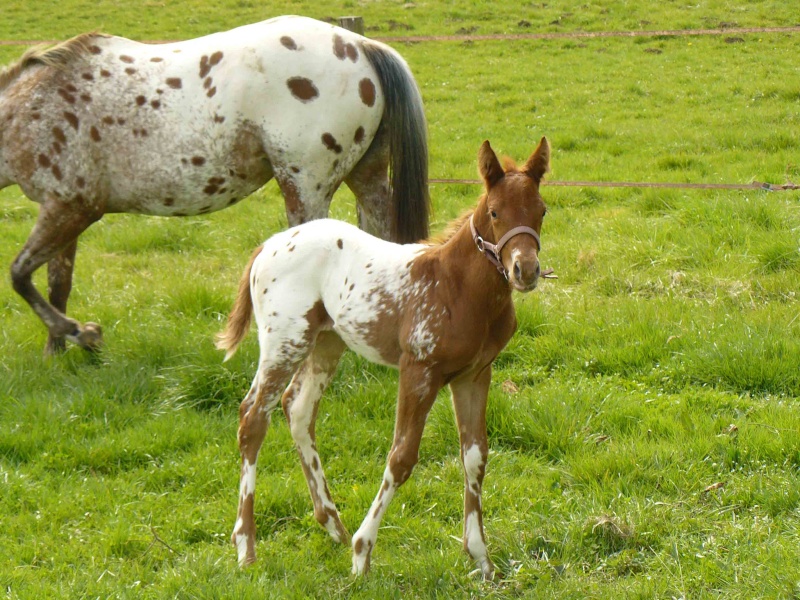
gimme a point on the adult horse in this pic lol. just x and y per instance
(440, 312)
(102, 124)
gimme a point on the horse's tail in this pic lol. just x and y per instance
(404, 122)
(241, 314)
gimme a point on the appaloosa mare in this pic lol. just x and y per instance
(441, 312)
(102, 124)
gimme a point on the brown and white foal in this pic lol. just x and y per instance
(441, 312)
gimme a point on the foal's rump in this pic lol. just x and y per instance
(330, 275)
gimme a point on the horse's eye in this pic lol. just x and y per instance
(494, 215)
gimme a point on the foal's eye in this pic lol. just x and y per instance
(494, 214)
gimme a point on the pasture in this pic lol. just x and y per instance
(644, 424)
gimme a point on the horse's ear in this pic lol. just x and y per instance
(488, 165)
(539, 162)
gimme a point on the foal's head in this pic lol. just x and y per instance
(513, 200)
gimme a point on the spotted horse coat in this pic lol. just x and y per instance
(440, 312)
(102, 124)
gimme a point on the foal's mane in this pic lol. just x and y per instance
(57, 56)
(450, 229)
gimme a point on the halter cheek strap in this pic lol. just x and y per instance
(492, 251)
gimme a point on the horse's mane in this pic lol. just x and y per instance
(450, 230)
(57, 56)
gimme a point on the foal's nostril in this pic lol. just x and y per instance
(517, 271)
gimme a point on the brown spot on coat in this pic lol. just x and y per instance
(339, 47)
(215, 58)
(56, 147)
(58, 133)
(352, 52)
(303, 89)
(44, 161)
(36, 116)
(218, 119)
(359, 136)
(120, 121)
(80, 182)
(295, 169)
(331, 143)
(66, 96)
(126, 59)
(88, 76)
(288, 43)
(95, 49)
(140, 100)
(205, 68)
(56, 172)
(72, 119)
(95, 134)
(366, 89)
(130, 71)
(71, 88)
(105, 73)
(156, 59)
(156, 104)
(340, 244)
(198, 161)
(211, 92)
(86, 97)
(174, 82)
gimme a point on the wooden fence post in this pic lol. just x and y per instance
(354, 24)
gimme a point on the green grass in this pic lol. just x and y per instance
(644, 422)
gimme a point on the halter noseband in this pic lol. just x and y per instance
(492, 251)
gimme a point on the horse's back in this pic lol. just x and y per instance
(191, 127)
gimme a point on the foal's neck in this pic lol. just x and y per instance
(477, 276)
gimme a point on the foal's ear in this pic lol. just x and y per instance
(488, 165)
(539, 162)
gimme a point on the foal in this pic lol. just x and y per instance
(440, 312)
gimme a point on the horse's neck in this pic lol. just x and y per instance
(477, 277)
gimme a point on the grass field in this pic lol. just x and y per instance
(644, 422)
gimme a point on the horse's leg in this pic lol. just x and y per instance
(369, 183)
(300, 403)
(254, 417)
(418, 387)
(306, 198)
(469, 401)
(58, 226)
(59, 286)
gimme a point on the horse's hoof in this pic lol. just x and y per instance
(90, 337)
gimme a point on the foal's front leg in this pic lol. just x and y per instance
(419, 385)
(469, 402)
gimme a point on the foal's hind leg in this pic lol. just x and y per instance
(57, 228)
(254, 417)
(300, 403)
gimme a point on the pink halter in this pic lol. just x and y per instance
(492, 251)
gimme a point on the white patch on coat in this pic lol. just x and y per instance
(353, 282)
(473, 463)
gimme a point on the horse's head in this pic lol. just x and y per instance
(515, 209)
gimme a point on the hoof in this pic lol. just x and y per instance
(90, 337)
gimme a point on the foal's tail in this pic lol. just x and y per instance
(241, 314)
(404, 119)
